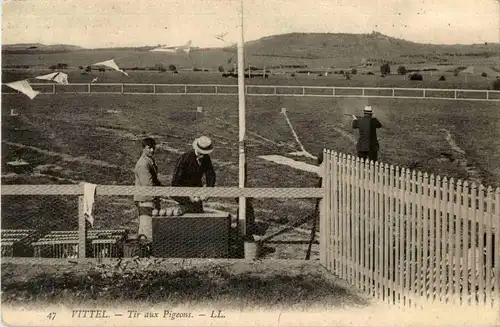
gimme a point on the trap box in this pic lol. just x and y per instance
(17, 242)
(193, 235)
(103, 243)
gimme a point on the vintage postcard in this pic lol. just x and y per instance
(250, 163)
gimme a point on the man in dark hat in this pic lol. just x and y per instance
(189, 171)
(367, 145)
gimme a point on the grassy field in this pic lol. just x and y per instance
(72, 138)
(236, 285)
(188, 77)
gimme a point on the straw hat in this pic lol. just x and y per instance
(368, 110)
(203, 145)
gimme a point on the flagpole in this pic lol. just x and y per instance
(242, 124)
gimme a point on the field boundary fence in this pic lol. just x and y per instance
(80, 237)
(264, 90)
(409, 238)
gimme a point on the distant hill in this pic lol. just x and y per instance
(367, 46)
(38, 47)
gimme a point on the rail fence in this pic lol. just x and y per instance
(408, 238)
(264, 90)
(78, 240)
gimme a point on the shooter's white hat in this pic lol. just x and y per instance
(203, 145)
(368, 110)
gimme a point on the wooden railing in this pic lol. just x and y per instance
(264, 90)
(110, 190)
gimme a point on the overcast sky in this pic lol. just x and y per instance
(108, 23)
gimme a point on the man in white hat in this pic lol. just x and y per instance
(367, 125)
(189, 171)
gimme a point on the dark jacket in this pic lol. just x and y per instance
(367, 133)
(189, 173)
(146, 174)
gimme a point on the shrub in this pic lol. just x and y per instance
(341, 72)
(354, 71)
(88, 69)
(159, 67)
(221, 68)
(347, 76)
(402, 70)
(442, 78)
(483, 74)
(172, 68)
(370, 73)
(80, 67)
(416, 77)
(53, 67)
(496, 84)
(385, 69)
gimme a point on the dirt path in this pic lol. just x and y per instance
(65, 156)
(460, 156)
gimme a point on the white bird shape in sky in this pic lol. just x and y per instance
(221, 36)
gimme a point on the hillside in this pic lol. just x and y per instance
(313, 50)
(38, 47)
(374, 46)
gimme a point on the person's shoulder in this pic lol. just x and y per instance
(143, 162)
(185, 156)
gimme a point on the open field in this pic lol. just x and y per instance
(189, 77)
(72, 138)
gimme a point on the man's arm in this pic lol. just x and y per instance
(355, 123)
(377, 123)
(209, 172)
(154, 173)
(178, 172)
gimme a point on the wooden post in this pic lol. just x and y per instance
(82, 229)
(324, 238)
(242, 125)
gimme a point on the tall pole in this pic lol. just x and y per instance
(498, 21)
(242, 125)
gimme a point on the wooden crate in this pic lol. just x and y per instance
(201, 235)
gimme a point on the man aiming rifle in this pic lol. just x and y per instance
(367, 125)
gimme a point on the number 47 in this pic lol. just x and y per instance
(51, 316)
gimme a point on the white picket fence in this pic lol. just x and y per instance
(264, 90)
(408, 238)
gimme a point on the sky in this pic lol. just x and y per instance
(111, 23)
